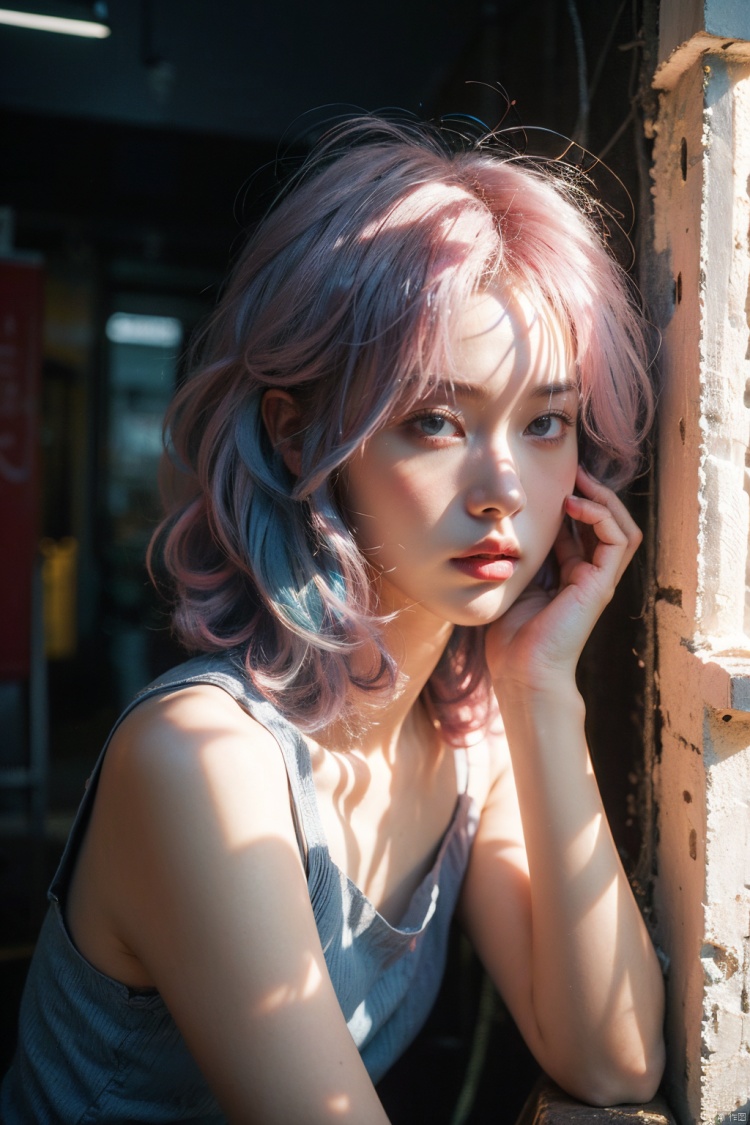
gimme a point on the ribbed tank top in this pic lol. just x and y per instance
(93, 1050)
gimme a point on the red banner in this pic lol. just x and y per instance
(21, 309)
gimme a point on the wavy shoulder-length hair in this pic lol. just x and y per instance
(346, 297)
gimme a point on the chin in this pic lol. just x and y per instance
(482, 614)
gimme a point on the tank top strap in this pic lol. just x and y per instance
(296, 755)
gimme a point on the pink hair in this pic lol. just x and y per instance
(345, 296)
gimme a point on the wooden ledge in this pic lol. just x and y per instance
(548, 1105)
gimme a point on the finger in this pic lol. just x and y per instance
(614, 545)
(568, 546)
(580, 545)
(595, 490)
(601, 518)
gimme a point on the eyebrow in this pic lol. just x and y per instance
(482, 394)
(550, 389)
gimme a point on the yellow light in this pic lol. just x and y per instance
(38, 22)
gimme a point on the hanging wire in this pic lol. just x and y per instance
(599, 67)
(479, 1044)
(580, 133)
(617, 133)
(635, 47)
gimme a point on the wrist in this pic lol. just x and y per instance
(557, 681)
(558, 694)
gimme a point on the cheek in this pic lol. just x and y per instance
(408, 513)
(545, 498)
(412, 490)
(400, 510)
(380, 500)
(566, 478)
(550, 484)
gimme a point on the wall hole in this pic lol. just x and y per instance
(678, 289)
(687, 796)
(726, 718)
(682, 430)
(683, 158)
(693, 843)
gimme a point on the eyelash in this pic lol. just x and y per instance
(413, 421)
(566, 419)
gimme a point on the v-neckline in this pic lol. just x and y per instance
(429, 879)
(322, 850)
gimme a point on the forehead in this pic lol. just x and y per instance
(503, 332)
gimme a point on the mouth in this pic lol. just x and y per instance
(488, 566)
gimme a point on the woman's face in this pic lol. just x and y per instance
(457, 503)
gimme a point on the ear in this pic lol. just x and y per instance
(281, 417)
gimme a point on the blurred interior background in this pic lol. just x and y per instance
(133, 164)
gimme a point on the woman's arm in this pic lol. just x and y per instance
(546, 900)
(205, 887)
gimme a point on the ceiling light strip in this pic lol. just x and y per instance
(38, 22)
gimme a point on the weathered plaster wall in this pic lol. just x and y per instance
(725, 267)
(725, 949)
(702, 777)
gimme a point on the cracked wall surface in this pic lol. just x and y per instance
(700, 283)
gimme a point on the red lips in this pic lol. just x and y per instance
(492, 547)
(491, 560)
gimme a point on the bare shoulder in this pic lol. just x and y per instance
(195, 743)
(189, 779)
(190, 774)
(197, 718)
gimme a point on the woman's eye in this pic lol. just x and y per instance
(435, 425)
(548, 426)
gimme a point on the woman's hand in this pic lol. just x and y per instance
(543, 633)
(546, 901)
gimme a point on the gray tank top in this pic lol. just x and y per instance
(93, 1050)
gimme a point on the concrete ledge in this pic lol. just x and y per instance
(726, 679)
(548, 1105)
(687, 54)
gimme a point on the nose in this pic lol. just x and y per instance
(496, 490)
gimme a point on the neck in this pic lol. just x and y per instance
(416, 640)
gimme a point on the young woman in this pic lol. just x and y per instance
(390, 537)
